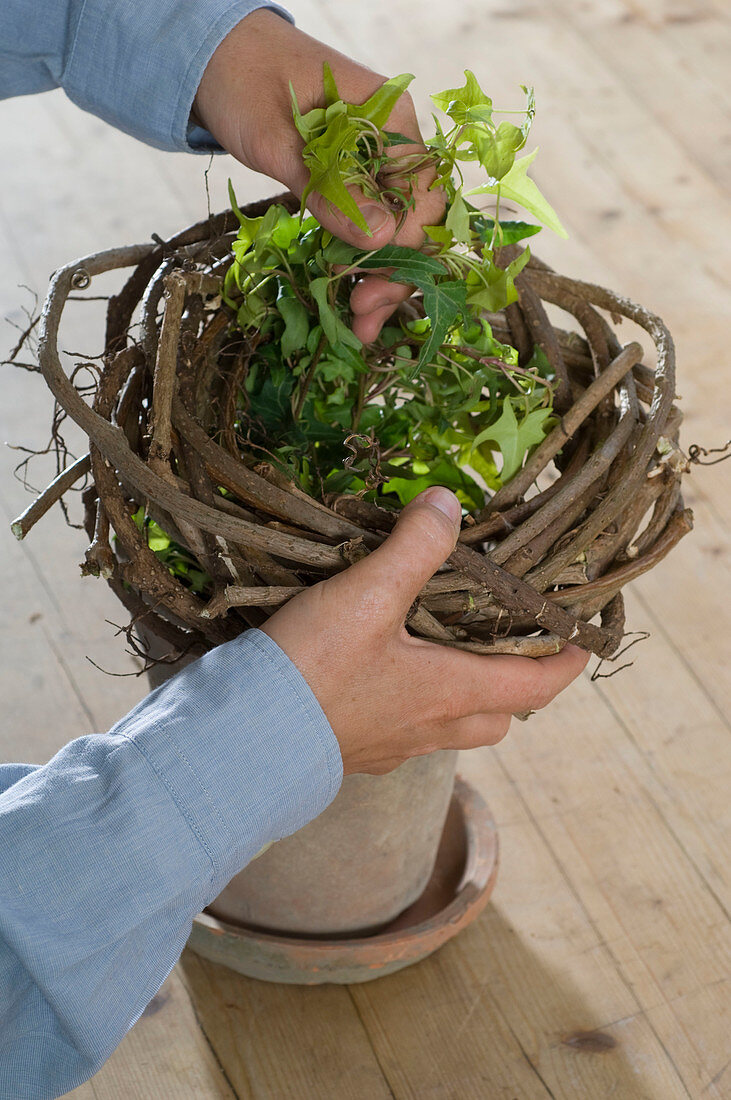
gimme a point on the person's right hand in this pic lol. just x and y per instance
(244, 101)
(388, 695)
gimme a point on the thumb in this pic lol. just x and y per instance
(421, 541)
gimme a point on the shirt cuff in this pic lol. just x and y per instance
(242, 746)
(138, 65)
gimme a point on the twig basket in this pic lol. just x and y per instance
(597, 504)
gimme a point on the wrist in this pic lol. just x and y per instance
(244, 99)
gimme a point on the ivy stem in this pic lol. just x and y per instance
(506, 368)
(358, 409)
(307, 381)
(496, 220)
(354, 266)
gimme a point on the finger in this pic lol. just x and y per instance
(511, 684)
(426, 205)
(421, 541)
(372, 302)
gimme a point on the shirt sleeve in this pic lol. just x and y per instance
(108, 851)
(135, 63)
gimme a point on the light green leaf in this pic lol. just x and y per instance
(309, 124)
(530, 110)
(458, 220)
(482, 465)
(514, 438)
(457, 102)
(440, 235)
(286, 230)
(338, 252)
(495, 150)
(497, 287)
(332, 95)
(519, 187)
(323, 158)
(157, 539)
(442, 472)
(249, 227)
(378, 107)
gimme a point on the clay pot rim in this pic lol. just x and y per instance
(472, 894)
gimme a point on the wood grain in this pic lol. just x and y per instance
(602, 966)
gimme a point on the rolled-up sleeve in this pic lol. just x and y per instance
(108, 851)
(137, 64)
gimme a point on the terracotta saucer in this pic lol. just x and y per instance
(460, 886)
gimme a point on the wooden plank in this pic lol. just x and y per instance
(164, 1055)
(279, 1040)
(585, 786)
(611, 807)
(605, 185)
(511, 1000)
(58, 619)
(681, 737)
(684, 103)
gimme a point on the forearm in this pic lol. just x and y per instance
(109, 850)
(136, 65)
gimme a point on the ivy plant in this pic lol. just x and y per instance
(436, 399)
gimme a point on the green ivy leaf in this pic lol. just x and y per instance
(458, 103)
(494, 150)
(519, 187)
(444, 301)
(514, 438)
(378, 107)
(530, 110)
(443, 304)
(297, 320)
(458, 220)
(440, 235)
(286, 230)
(322, 156)
(332, 95)
(338, 252)
(510, 232)
(442, 472)
(498, 288)
(335, 331)
(393, 137)
(409, 266)
(249, 227)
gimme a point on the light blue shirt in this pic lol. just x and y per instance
(108, 851)
(135, 63)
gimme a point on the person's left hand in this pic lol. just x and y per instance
(244, 101)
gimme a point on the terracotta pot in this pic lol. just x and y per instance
(355, 867)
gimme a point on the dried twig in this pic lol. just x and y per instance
(529, 572)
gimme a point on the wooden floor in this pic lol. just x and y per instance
(610, 913)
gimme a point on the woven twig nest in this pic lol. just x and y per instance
(597, 504)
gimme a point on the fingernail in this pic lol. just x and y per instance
(445, 501)
(377, 217)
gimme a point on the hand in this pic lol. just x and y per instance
(244, 101)
(387, 695)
